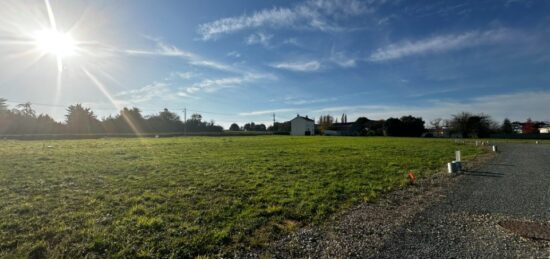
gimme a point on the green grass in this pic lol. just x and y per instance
(191, 196)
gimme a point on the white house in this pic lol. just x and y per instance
(544, 130)
(301, 126)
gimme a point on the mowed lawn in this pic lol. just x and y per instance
(192, 196)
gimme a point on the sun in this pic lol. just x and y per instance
(55, 43)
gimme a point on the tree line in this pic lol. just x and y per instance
(22, 119)
(464, 124)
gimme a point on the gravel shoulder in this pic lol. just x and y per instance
(442, 216)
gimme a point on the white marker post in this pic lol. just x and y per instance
(494, 148)
(450, 168)
(457, 156)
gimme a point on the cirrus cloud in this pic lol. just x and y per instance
(440, 43)
(314, 14)
(300, 66)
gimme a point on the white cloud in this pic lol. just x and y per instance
(307, 66)
(234, 54)
(342, 60)
(264, 112)
(259, 38)
(185, 75)
(167, 50)
(515, 106)
(292, 41)
(212, 85)
(297, 101)
(316, 14)
(146, 93)
(439, 44)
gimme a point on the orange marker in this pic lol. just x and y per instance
(412, 178)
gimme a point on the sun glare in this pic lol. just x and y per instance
(56, 43)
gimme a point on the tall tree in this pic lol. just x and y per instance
(469, 125)
(131, 121)
(82, 120)
(25, 110)
(393, 127)
(325, 122)
(234, 127)
(507, 127)
(412, 126)
(166, 121)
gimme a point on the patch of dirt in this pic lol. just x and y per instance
(527, 229)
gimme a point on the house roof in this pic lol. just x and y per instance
(305, 118)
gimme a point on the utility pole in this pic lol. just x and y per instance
(185, 121)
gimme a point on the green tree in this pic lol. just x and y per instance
(234, 127)
(393, 127)
(82, 120)
(167, 121)
(412, 126)
(25, 110)
(507, 127)
(325, 122)
(469, 125)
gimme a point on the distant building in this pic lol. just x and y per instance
(340, 129)
(518, 127)
(544, 130)
(360, 127)
(302, 126)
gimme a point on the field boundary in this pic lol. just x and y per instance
(374, 220)
(133, 135)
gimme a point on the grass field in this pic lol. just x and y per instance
(191, 196)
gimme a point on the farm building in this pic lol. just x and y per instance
(340, 129)
(357, 128)
(302, 126)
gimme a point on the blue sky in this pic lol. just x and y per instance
(241, 61)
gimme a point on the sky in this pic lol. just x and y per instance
(242, 61)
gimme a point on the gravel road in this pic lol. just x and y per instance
(442, 217)
(514, 185)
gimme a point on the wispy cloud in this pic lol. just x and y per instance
(292, 41)
(185, 75)
(299, 101)
(212, 85)
(342, 60)
(234, 54)
(299, 66)
(440, 43)
(315, 14)
(146, 93)
(259, 38)
(168, 50)
(526, 104)
(264, 112)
